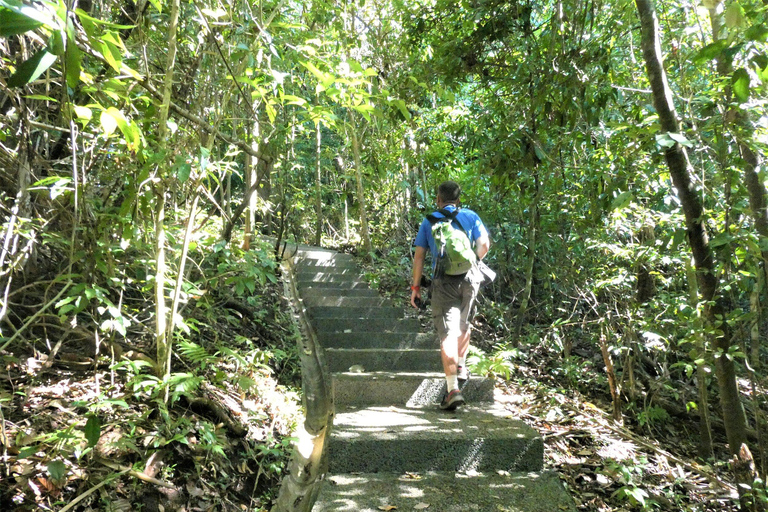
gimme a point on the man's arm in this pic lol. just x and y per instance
(482, 244)
(418, 270)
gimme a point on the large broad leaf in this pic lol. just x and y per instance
(622, 200)
(93, 430)
(740, 85)
(32, 68)
(13, 23)
(108, 123)
(57, 470)
(400, 104)
(757, 33)
(710, 51)
(74, 65)
(734, 15)
(17, 17)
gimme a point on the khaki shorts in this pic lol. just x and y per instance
(453, 299)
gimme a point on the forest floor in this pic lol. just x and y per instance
(608, 466)
(83, 431)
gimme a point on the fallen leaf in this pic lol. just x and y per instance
(421, 506)
(411, 476)
(387, 507)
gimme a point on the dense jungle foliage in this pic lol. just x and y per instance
(154, 155)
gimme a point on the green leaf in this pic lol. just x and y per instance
(734, 15)
(664, 140)
(622, 200)
(710, 51)
(32, 68)
(40, 97)
(108, 123)
(290, 99)
(93, 430)
(17, 12)
(271, 113)
(85, 16)
(721, 239)
(681, 139)
(83, 114)
(757, 33)
(183, 172)
(14, 23)
(763, 74)
(57, 470)
(57, 43)
(74, 65)
(400, 104)
(27, 451)
(205, 158)
(109, 52)
(740, 85)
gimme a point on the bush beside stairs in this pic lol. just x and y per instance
(391, 447)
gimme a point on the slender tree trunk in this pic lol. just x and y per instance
(705, 427)
(250, 180)
(318, 185)
(360, 191)
(180, 275)
(613, 383)
(754, 302)
(161, 312)
(533, 229)
(676, 158)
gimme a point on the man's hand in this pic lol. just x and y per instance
(415, 294)
(418, 269)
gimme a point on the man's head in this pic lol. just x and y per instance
(448, 193)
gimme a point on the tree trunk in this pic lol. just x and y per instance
(533, 229)
(676, 158)
(705, 428)
(754, 303)
(163, 346)
(250, 181)
(360, 191)
(318, 186)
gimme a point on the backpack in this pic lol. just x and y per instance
(454, 248)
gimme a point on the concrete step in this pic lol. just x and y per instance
(304, 278)
(322, 255)
(342, 285)
(369, 325)
(343, 302)
(383, 360)
(399, 440)
(337, 291)
(362, 313)
(444, 492)
(403, 389)
(393, 340)
(327, 266)
(334, 271)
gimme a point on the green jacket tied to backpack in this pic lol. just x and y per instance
(450, 234)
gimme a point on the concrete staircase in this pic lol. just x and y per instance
(391, 446)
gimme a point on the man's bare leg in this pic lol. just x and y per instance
(449, 354)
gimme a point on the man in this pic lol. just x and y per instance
(453, 297)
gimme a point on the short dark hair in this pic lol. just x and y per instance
(449, 191)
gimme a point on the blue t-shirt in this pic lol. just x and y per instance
(468, 221)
